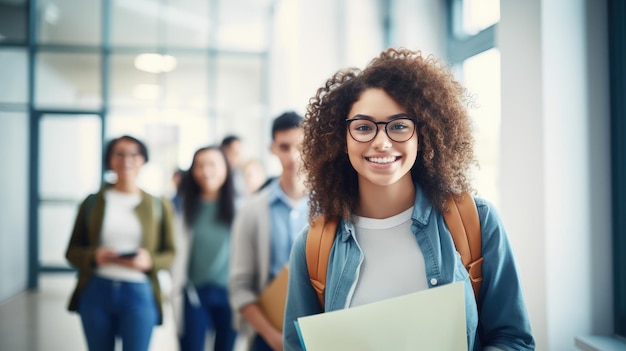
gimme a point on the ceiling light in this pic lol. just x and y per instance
(51, 13)
(155, 63)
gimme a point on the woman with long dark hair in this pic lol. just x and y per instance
(208, 207)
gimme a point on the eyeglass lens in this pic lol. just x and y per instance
(398, 130)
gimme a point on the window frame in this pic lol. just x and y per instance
(461, 46)
(617, 91)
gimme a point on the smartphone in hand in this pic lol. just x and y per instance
(127, 254)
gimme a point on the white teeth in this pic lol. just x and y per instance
(382, 160)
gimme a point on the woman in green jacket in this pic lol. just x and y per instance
(122, 237)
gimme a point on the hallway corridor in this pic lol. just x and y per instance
(39, 320)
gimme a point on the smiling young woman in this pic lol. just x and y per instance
(383, 149)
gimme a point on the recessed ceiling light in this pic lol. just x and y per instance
(155, 63)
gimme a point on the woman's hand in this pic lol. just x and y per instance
(105, 255)
(142, 261)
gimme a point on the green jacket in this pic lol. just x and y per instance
(158, 239)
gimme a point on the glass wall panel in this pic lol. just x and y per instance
(14, 73)
(239, 85)
(171, 136)
(13, 21)
(481, 76)
(70, 167)
(135, 23)
(131, 86)
(56, 221)
(69, 22)
(243, 25)
(70, 156)
(14, 153)
(184, 86)
(150, 23)
(252, 127)
(240, 106)
(67, 80)
(187, 23)
(187, 85)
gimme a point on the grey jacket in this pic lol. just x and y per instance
(250, 256)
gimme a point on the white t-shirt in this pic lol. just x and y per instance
(121, 231)
(393, 264)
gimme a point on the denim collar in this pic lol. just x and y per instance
(422, 210)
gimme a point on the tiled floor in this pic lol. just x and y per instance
(37, 321)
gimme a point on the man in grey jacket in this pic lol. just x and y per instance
(263, 232)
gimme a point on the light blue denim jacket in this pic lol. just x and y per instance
(503, 322)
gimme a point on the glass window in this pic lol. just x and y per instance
(14, 73)
(14, 182)
(187, 85)
(239, 84)
(70, 152)
(56, 220)
(242, 25)
(183, 84)
(131, 86)
(479, 14)
(251, 126)
(13, 21)
(70, 156)
(181, 23)
(187, 23)
(171, 135)
(481, 76)
(135, 23)
(67, 80)
(69, 22)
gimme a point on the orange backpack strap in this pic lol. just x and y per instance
(319, 242)
(462, 220)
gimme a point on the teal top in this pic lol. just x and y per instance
(210, 248)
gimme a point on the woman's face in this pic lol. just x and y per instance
(210, 171)
(126, 160)
(381, 161)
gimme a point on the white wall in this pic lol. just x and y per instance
(555, 163)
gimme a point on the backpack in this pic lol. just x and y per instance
(461, 218)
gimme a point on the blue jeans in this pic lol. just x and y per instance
(110, 309)
(259, 344)
(214, 310)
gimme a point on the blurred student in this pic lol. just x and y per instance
(233, 146)
(176, 179)
(208, 208)
(254, 174)
(122, 237)
(263, 231)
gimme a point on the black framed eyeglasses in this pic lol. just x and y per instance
(399, 128)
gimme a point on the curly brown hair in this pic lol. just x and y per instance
(426, 88)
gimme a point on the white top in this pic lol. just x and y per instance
(121, 231)
(393, 264)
